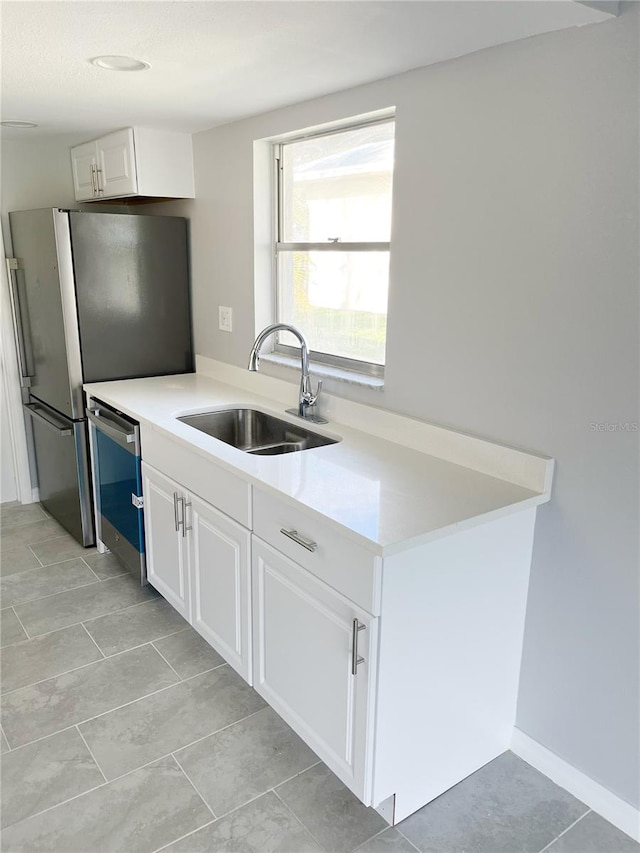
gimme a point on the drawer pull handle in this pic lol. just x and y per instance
(355, 659)
(300, 540)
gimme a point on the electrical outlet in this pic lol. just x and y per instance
(225, 318)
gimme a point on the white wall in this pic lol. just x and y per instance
(8, 489)
(513, 314)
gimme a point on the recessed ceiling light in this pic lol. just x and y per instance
(120, 63)
(23, 124)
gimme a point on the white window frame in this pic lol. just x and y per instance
(349, 364)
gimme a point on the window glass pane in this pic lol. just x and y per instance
(337, 299)
(338, 186)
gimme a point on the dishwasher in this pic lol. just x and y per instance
(117, 478)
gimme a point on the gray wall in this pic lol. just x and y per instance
(515, 288)
(35, 172)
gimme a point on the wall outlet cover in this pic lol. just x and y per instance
(225, 318)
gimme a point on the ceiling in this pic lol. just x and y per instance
(215, 61)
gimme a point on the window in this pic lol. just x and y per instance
(332, 243)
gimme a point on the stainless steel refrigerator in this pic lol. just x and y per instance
(95, 296)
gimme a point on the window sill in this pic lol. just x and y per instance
(325, 371)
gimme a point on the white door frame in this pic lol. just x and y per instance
(11, 379)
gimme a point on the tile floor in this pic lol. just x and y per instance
(123, 731)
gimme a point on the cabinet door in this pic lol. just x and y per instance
(83, 163)
(303, 657)
(167, 568)
(220, 583)
(116, 164)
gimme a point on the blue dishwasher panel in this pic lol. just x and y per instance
(118, 478)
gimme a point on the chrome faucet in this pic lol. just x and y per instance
(308, 398)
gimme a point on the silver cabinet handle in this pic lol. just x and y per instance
(355, 660)
(176, 517)
(180, 502)
(185, 527)
(309, 544)
(99, 188)
(94, 181)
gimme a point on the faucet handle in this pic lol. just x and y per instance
(311, 398)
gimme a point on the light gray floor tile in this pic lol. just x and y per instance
(125, 629)
(38, 583)
(135, 814)
(46, 773)
(593, 834)
(329, 810)
(28, 534)
(46, 656)
(263, 826)
(503, 807)
(11, 631)
(57, 550)
(245, 760)
(18, 560)
(105, 565)
(59, 702)
(4, 745)
(130, 737)
(389, 841)
(78, 605)
(188, 653)
(12, 516)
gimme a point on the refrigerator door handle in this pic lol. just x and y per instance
(23, 337)
(42, 414)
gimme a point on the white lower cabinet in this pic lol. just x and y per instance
(198, 559)
(314, 662)
(220, 583)
(400, 672)
(167, 557)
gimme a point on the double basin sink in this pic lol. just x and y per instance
(256, 432)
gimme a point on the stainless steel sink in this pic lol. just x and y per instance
(256, 432)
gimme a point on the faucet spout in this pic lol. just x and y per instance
(308, 398)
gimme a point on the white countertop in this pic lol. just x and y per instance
(386, 496)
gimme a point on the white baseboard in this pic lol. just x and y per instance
(603, 802)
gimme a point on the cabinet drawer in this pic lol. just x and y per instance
(342, 564)
(197, 474)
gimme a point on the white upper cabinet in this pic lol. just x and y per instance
(83, 167)
(117, 174)
(134, 162)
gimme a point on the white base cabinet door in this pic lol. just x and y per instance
(166, 549)
(220, 575)
(199, 560)
(314, 663)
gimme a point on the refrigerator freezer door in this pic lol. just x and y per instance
(47, 309)
(62, 460)
(132, 294)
